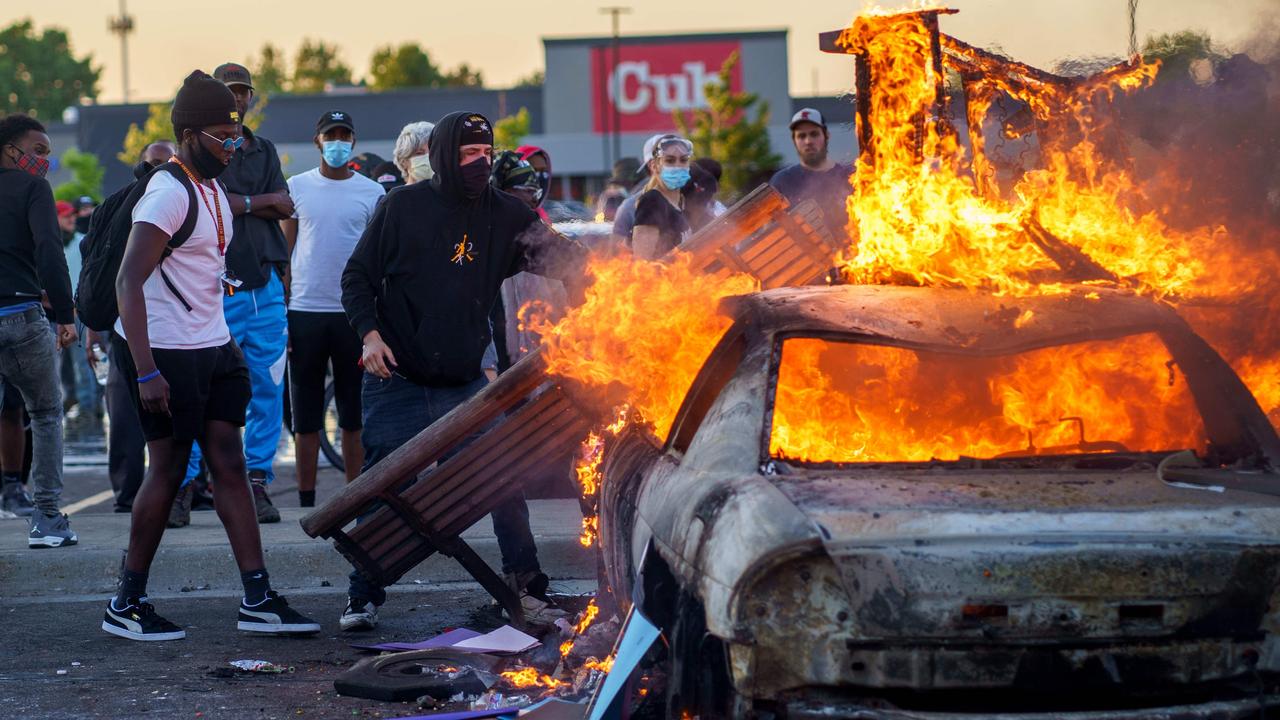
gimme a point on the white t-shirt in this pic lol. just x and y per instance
(332, 215)
(195, 267)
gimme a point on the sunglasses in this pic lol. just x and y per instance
(229, 144)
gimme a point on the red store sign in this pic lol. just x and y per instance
(652, 81)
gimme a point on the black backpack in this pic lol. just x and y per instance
(102, 249)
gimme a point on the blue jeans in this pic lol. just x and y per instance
(28, 364)
(259, 322)
(396, 410)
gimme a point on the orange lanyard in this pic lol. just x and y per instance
(217, 217)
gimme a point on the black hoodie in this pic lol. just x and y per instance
(430, 264)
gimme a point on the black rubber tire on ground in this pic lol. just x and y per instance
(398, 676)
(331, 435)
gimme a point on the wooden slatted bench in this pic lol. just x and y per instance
(420, 499)
(763, 236)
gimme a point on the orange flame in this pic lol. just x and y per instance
(603, 666)
(527, 677)
(844, 402)
(645, 325)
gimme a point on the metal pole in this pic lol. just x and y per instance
(122, 26)
(615, 129)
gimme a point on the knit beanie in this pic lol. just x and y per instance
(203, 101)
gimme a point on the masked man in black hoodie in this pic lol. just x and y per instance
(418, 289)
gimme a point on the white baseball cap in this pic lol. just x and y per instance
(649, 145)
(808, 115)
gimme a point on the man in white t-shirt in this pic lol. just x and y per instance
(332, 206)
(192, 381)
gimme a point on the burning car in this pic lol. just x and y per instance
(880, 501)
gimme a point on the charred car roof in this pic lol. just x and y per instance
(953, 320)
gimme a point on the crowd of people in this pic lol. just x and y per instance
(186, 302)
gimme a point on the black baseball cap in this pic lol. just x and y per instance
(332, 119)
(233, 74)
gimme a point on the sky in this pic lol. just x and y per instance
(503, 37)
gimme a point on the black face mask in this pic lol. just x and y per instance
(82, 224)
(544, 182)
(205, 162)
(475, 178)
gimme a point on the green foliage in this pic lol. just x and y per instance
(317, 64)
(86, 176)
(511, 130)
(725, 131)
(405, 66)
(1176, 52)
(534, 79)
(157, 126)
(270, 74)
(39, 75)
(464, 76)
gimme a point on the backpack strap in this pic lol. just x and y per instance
(184, 231)
(189, 223)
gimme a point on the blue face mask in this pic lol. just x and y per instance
(675, 178)
(336, 153)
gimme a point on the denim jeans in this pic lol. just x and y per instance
(28, 363)
(394, 411)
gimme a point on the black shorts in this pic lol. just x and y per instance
(205, 384)
(317, 339)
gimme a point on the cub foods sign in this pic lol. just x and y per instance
(651, 81)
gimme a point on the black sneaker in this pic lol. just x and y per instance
(274, 615)
(360, 615)
(139, 621)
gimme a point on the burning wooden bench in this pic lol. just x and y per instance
(419, 500)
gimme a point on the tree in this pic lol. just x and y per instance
(1177, 51)
(270, 76)
(405, 66)
(157, 126)
(86, 176)
(316, 65)
(723, 131)
(38, 73)
(464, 76)
(511, 130)
(534, 79)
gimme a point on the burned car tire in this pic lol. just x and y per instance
(410, 675)
(699, 683)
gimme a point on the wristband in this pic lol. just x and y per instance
(149, 376)
(248, 204)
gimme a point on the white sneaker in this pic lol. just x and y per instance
(358, 617)
(540, 612)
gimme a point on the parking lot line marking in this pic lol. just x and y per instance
(88, 502)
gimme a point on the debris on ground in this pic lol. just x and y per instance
(258, 666)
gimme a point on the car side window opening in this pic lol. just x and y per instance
(711, 379)
(849, 402)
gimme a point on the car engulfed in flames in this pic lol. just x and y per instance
(924, 496)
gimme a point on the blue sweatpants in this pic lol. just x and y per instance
(259, 322)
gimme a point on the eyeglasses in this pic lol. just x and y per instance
(229, 144)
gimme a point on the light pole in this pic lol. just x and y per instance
(615, 119)
(122, 26)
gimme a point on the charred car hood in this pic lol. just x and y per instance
(1026, 556)
(878, 506)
